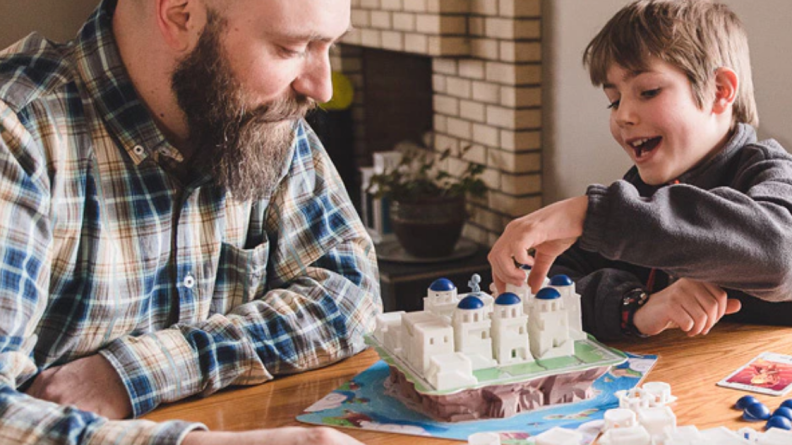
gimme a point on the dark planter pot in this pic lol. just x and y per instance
(430, 227)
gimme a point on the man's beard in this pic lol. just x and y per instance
(243, 150)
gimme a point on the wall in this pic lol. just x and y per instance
(578, 148)
(57, 20)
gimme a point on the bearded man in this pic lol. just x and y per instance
(169, 224)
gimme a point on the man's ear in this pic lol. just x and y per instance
(180, 22)
(726, 83)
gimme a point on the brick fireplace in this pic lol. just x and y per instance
(485, 67)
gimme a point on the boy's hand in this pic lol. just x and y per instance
(693, 306)
(550, 231)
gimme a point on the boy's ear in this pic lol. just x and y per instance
(726, 83)
(180, 22)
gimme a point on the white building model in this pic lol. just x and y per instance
(457, 334)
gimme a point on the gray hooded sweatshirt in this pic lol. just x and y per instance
(728, 221)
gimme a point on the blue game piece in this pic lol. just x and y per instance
(548, 293)
(756, 411)
(784, 412)
(561, 280)
(507, 299)
(787, 403)
(778, 422)
(744, 401)
(471, 302)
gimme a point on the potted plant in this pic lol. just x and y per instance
(427, 204)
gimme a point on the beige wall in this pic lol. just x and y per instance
(57, 20)
(578, 147)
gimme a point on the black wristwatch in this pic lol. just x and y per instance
(632, 301)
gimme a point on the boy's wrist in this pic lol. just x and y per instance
(631, 303)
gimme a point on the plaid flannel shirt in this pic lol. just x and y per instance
(184, 290)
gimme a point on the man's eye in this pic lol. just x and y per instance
(648, 94)
(287, 52)
(614, 105)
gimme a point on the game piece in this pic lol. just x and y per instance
(656, 419)
(784, 412)
(778, 422)
(787, 403)
(558, 436)
(768, 373)
(744, 401)
(619, 418)
(632, 435)
(775, 436)
(465, 355)
(756, 411)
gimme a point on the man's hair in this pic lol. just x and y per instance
(696, 36)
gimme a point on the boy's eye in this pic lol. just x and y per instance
(614, 105)
(648, 94)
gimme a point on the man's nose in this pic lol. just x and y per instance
(315, 80)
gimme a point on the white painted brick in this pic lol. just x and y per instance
(506, 28)
(487, 219)
(520, 140)
(511, 51)
(446, 105)
(416, 43)
(514, 162)
(520, 8)
(370, 4)
(521, 184)
(473, 111)
(472, 69)
(460, 128)
(513, 74)
(449, 46)
(392, 5)
(427, 24)
(444, 66)
(475, 153)
(393, 40)
(433, 6)
(381, 19)
(440, 123)
(484, 48)
(484, 7)
(443, 142)
(513, 119)
(514, 206)
(475, 234)
(485, 134)
(521, 96)
(353, 37)
(458, 87)
(361, 18)
(403, 21)
(371, 38)
(415, 5)
(476, 27)
(486, 92)
(438, 82)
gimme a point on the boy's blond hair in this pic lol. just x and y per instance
(697, 37)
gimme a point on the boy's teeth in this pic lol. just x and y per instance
(639, 142)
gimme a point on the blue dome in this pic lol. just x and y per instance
(525, 266)
(548, 293)
(471, 302)
(560, 280)
(507, 299)
(442, 285)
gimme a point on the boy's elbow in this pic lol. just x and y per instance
(779, 272)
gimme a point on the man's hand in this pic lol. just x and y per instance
(549, 231)
(90, 383)
(277, 436)
(692, 306)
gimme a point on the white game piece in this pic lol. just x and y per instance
(472, 328)
(549, 327)
(619, 418)
(452, 370)
(775, 436)
(724, 436)
(564, 285)
(749, 434)
(425, 335)
(660, 393)
(484, 439)
(683, 435)
(632, 435)
(656, 419)
(510, 342)
(558, 436)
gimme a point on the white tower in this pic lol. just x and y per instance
(550, 326)
(564, 285)
(509, 330)
(472, 327)
(425, 335)
(441, 298)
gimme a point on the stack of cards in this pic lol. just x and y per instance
(768, 373)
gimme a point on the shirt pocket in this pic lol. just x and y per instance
(241, 276)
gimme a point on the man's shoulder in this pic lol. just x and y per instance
(33, 68)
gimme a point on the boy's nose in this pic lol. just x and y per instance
(625, 114)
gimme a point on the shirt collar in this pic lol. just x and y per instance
(111, 89)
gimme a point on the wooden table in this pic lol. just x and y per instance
(691, 365)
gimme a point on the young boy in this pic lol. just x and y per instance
(701, 226)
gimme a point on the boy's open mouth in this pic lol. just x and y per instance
(644, 145)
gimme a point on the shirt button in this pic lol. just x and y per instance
(189, 281)
(138, 149)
